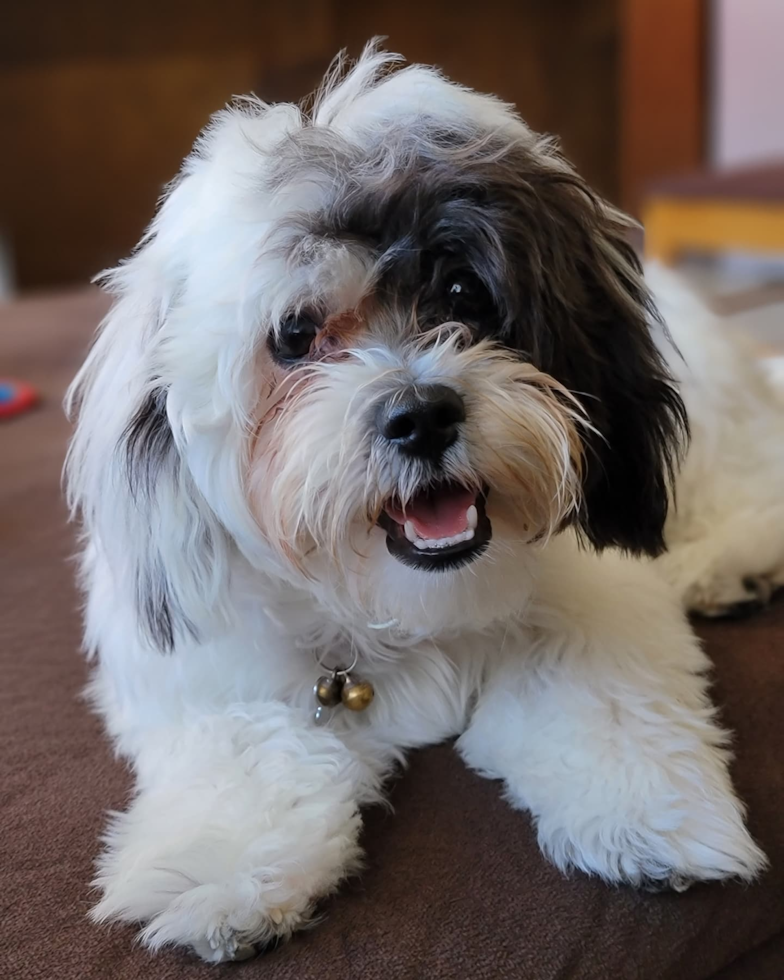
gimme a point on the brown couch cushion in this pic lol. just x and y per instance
(455, 886)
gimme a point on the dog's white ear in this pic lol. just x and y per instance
(127, 471)
(181, 562)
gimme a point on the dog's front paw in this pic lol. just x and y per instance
(231, 848)
(225, 896)
(223, 922)
(230, 918)
(668, 845)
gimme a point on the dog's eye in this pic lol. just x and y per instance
(296, 335)
(467, 296)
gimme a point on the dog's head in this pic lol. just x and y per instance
(383, 350)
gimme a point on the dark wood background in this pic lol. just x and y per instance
(100, 101)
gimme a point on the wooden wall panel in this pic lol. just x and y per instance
(100, 101)
(71, 30)
(93, 144)
(663, 125)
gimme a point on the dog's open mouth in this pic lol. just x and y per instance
(444, 526)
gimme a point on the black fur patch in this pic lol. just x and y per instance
(154, 604)
(148, 443)
(159, 612)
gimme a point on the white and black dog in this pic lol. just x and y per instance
(384, 397)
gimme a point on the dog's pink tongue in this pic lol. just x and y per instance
(441, 514)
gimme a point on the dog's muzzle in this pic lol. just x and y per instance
(444, 525)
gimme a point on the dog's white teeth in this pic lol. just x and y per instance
(428, 544)
(410, 531)
(472, 517)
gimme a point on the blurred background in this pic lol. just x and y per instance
(673, 109)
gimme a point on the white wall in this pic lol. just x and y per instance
(748, 81)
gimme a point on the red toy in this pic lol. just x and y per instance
(16, 397)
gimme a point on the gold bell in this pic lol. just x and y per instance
(328, 690)
(357, 695)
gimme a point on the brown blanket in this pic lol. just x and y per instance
(455, 886)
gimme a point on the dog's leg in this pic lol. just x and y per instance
(603, 729)
(240, 825)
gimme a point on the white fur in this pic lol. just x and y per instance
(574, 678)
(725, 538)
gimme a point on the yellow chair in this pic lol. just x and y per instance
(737, 210)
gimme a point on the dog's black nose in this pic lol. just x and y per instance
(422, 420)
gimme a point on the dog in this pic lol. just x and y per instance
(376, 448)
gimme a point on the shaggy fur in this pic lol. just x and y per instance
(238, 481)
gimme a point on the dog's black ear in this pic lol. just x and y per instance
(584, 314)
(639, 425)
(607, 356)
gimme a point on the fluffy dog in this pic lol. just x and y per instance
(384, 397)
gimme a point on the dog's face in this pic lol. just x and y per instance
(396, 347)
